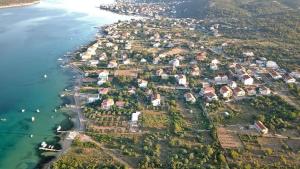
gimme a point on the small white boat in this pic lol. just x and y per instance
(45, 76)
(32, 119)
(23, 110)
(60, 59)
(31, 135)
(58, 128)
(3, 119)
(37, 110)
(55, 110)
(44, 144)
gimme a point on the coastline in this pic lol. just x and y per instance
(74, 116)
(20, 5)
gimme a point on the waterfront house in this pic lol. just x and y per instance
(142, 83)
(260, 127)
(155, 100)
(226, 92)
(93, 63)
(189, 97)
(92, 98)
(107, 104)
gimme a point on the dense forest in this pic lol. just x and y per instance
(13, 2)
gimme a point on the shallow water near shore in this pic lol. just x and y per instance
(32, 38)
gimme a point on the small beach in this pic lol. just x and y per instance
(20, 4)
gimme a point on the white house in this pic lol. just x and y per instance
(189, 97)
(127, 46)
(103, 75)
(135, 116)
(181, 79)
(93, 63)
(93, 98)
(232, 84)
(142, 83)
(214, 66)
(207, 89)
(271, 64)
(155, 100)
(103, 56)
(249, 54)
(126, 61)
(156, 45)
(221, 79)
(247, 80)
(175, 62)
(263, 90)
(143, 60)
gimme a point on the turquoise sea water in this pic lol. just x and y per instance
(31, 40)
